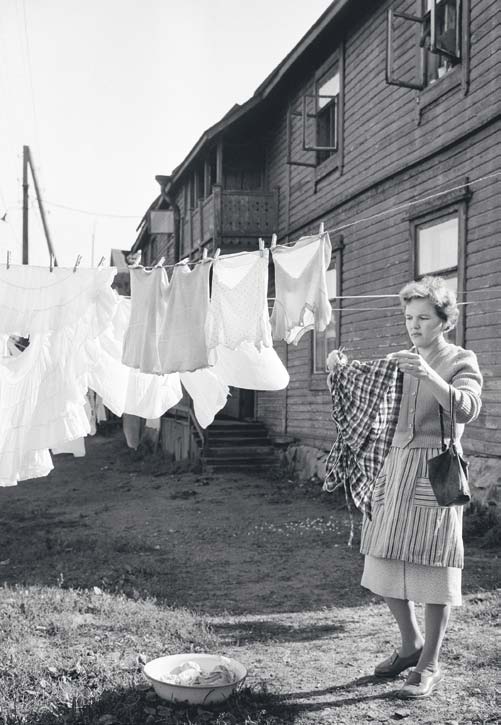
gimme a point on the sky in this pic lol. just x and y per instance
(109, 93)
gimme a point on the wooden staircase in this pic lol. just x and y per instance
(235, 445)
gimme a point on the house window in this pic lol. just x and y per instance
(324, 342)
(441, 38)
(437, 251)
(327, 115)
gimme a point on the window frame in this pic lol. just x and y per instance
(456, 77)
(336, 159)
(436, 211)
(317, 377)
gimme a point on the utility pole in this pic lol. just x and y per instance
(27, 162)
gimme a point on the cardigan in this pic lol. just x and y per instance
(418, 424)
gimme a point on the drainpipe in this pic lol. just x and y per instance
(165, 193)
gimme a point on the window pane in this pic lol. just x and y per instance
(331, 283)
(329, 87)
(437, 246)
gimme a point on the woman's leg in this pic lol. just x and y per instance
(405, 615)
(436, 619)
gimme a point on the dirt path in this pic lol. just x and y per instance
(266, 559)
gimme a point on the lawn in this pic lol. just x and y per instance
(115, 559)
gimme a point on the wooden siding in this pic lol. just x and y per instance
(377, 260)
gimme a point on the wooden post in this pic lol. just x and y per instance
(217, 196)
(25, 205)
(207, 189)
(42, 210)
(219, 162)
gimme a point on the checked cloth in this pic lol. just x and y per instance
(365, 406)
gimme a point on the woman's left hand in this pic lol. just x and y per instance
(411, 363)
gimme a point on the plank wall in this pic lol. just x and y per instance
(393, 154)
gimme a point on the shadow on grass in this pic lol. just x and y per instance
(265, 631)
(138, 706)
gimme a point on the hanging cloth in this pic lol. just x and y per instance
(365, 406)
(238, 310)
(124, 389)
(250, 368)
(149, 289)
(182, 345)
(43, 390)
(301, 297)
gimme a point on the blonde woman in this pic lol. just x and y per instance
(413, 547)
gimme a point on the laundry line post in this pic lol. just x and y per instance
(28, 162)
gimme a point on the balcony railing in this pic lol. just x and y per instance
(226, 215)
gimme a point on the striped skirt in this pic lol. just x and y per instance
(413, 546)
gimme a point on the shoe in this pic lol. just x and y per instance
(420, 684)
(394, 665)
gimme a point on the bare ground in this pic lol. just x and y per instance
(266, 561)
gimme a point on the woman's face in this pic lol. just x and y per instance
(423, 324)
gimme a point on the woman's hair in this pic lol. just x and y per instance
(440, 295)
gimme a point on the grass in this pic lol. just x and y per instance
(109, 563)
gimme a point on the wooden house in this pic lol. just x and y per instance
(384, 123)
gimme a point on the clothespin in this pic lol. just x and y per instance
(273, 241)
(217, 253)
(137, 259)
(321, 229)
(160, 262)
(8, 258)
(261, 246)
(51, 263)
(79, 259)
(100, 262)
(183, 262)
(205, 254)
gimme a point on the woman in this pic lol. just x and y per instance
(413, 547)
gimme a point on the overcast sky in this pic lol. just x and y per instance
(108, 93)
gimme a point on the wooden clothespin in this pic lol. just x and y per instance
(217, 253)
(321, 229)
(273, 241)
(261, 246)
(205, 254)
(8, 258)
(183, 262)
(160, 262)
(51, 263)
(100, 262)
(78, 260)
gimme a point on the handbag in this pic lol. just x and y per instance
(448, 472)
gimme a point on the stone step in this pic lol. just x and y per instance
(238, 451)
(217, 441)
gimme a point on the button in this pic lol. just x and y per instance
(410, 425)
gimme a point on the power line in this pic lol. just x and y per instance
(92, 213)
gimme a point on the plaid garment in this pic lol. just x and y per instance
(365, 405)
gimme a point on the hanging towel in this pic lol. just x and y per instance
(238, 310)
(208, 393)
(365, 406)
(301, 297)
(182, 342)
(149, 290)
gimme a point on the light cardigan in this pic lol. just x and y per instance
(418, 424)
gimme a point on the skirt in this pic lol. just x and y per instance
(415, 582)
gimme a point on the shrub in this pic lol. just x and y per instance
(482, 524)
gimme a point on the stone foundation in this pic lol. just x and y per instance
(307, 462)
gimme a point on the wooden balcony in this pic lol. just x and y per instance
(227, 215)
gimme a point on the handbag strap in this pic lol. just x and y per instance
(452, 414)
